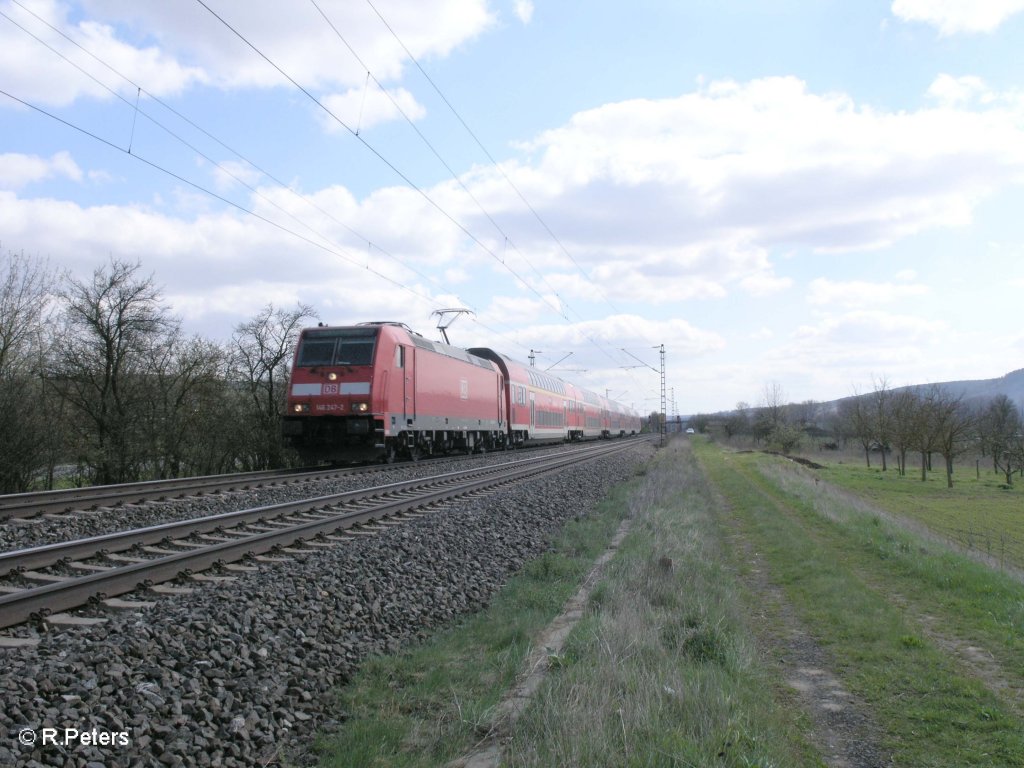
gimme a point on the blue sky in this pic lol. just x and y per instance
(811, 193)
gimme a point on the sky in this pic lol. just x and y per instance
(809, 195)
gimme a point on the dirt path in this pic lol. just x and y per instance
(487, 753)
(970, 655)
(842, 727)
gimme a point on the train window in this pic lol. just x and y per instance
(399, 356)
(337, 346)
(355, 352)
(316, 352)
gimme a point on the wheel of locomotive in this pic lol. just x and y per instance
(390, 452)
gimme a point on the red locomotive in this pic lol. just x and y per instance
(380, 391)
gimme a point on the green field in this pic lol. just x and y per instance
(932, 642)
(979, 513)
(739, 571)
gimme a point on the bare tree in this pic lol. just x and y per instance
(806, 413)
(880, 416)
(24, 299)
(188, 384)
(261, 352)
(903, 425)
(954, 427)
(1000, 428)
(941, 425)
(855, 413)
(111, 326)
(737, 422)
(774, 406)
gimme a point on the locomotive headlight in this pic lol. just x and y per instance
(332, 376)
(301, 407)
(361, 407)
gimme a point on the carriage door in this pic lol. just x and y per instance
(533, 413)
(405, 359)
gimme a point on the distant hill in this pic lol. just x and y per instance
(1011, 385)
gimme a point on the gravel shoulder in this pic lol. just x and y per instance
(240, 673)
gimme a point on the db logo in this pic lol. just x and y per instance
(330, 389)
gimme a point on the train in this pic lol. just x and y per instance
(379, 391)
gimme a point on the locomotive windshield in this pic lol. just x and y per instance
(336, 346)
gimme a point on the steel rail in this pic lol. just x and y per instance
(25, 604)
(21, 505)
(28, 505)
(119, 541)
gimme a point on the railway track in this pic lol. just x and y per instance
(44, 581)
(39, 504)
(28, 505)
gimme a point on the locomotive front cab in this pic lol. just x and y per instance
(330, 410)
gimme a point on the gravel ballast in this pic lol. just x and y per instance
(239, 674)
(22, 534)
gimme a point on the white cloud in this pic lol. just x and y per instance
(953, 16)
(52, 80)
(456, 275)
(363, 108)
(864, 338)
(687, 198)
(216, 268)
(956, 92)
(628, 331)
(859, 293)
(523, 10)
(17, 170)
(765, 284)
(658, 201)
(515, 310)
(300, 40)
(169, 47)
(228, 173)
(825, 359)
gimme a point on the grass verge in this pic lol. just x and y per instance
(661, 670)
(432, 703)
(845, 572)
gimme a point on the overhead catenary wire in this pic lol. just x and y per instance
(333, 248)
(387, 162)
(330, 247)
(501, 171)
(227, 171)
(455, 176)
(490, 157)
(402, 175)
(507, 240)
(199, 187)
